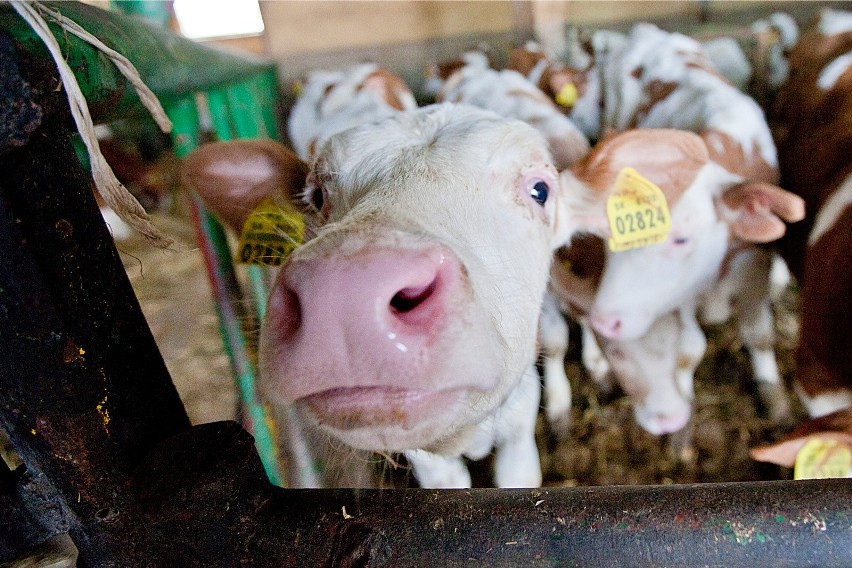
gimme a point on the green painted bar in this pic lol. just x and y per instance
(160, 56)
(246, 110)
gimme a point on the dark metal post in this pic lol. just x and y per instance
(84, 392)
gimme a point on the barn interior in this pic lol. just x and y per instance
(604, 446)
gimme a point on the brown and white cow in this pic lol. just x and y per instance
(408, 324)
(714, 214)
(814, 120)
(333, 100)
(656, 79)
(470, 80)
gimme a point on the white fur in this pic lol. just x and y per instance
(729, 58)
(831, 211)
(834, 22)
(332, 101)
(553, 339)
(510, 94)
(825, 402)
(832, 72)
(788, 35)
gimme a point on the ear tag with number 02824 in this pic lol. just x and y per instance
(270, 234)
(637, 212)
(821, 458)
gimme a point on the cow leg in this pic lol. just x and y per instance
(433, 471)
(517, 461)
(553, 337)
(691, 348)
(594, 359)
(757, 331)
(692, 344)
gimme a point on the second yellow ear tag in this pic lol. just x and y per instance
(821, 458)
(637, 211)
(567, 95)
(270, 234)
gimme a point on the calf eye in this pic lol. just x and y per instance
(680, 240)
(316, 197)
(539, 192)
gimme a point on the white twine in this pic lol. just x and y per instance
(113, 192)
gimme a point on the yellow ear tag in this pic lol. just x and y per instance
(297, 88)
(637, 211)
(567, 95)
(270, 234)
(821, 458)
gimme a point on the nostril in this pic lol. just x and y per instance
(287, 310)
(410, 297)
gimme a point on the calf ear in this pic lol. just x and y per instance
(756, 211)
(234, 177)
(671, 159)
(835, 426)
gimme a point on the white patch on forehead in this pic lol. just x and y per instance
(449, 139)
(831, 210)
(832, 72)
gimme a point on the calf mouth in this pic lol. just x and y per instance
(350, 408)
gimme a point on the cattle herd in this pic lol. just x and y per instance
(629, 185)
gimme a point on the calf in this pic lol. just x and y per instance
(510, 94)
(814, 130)
(714, 216)
(408, 324)
(331, 101)
(652, 78)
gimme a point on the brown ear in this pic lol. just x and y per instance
(836, 426)
(390, 88)
(760, 210)
(234, 177)
(671, 159)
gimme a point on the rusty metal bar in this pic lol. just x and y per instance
(779, 524)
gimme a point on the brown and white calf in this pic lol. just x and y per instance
(652, 78)
(408, 324)
(814, 130)
(470, 80)
(331, 101)
(715, 218)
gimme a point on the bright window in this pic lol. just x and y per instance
(201, 19)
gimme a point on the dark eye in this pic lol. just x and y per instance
(680, 240)
(317, 198)
(539, 192)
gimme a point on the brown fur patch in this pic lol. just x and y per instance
(731, 155)
(669, 158)
(388, 86)
(234, 177)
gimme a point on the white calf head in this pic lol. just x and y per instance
(709, 209)
(413, 312)
(646, 369)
